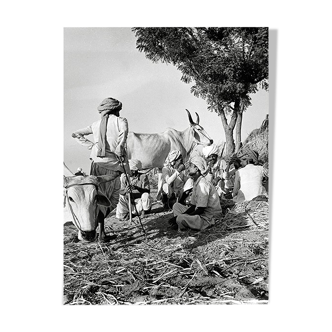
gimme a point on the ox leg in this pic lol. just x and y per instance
(102, 235)
(160, 185)
(101, 221)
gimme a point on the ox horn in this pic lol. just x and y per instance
(190, 118)
(197, 118)
(65, 181)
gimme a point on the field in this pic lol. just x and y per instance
(225, 264)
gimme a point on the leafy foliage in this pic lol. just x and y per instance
(225, 65)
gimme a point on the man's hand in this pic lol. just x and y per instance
(129, 188)
(198, 211)
(120, 158)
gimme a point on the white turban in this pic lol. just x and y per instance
(210, 149)
(135, 164)
(172, 156)
(199, 162)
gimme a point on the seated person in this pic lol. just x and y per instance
(139, 190)
(228, 175)
(204, 202)
(215, 169)
(173, 178)
(248, 179)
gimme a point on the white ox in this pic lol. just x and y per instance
(153, 149)
(84, 201)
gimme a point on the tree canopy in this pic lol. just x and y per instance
(225, 65)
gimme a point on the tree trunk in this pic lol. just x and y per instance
(238, 129)
(228, 129)
(230, 146)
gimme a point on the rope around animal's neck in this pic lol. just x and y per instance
(75, 219)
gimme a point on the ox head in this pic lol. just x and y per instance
(83, 199)
(199, 134)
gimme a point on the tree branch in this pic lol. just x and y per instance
(222, 114)
(234, 114)
(233, 120)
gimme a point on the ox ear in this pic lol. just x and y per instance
(197, 118)
(190, 118)
(103, 200)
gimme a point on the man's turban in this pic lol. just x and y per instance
(249, 154)
(210, 149)
(199, 162)
(110, 104)
(173, 156)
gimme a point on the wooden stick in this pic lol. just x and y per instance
(68, 168)
(185, 288)
(129, 208)
(128, 181)
(163, 275)
(252, 219)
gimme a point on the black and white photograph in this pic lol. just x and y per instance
(166, 166)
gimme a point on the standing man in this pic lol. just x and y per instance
(108, 153)
(205, 204)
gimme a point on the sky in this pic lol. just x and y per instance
(104, 62)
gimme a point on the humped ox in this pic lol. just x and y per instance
(88, 205)
(153, 149)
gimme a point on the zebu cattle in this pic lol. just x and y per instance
(84, 201)
(153, 149)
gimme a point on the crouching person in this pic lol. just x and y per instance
(138, 190)
(248, 182)
(204, 202)
(173, 178)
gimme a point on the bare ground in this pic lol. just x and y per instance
(225, 264)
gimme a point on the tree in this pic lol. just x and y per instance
(225, 65)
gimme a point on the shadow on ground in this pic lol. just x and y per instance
(156, 228)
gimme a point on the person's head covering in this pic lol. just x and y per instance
(110, 104)
(199, 162)
(210, 149)
(106, 107)
(173, 156)
(249, 154)
(135, 164)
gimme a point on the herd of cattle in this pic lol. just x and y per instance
(83, 200)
